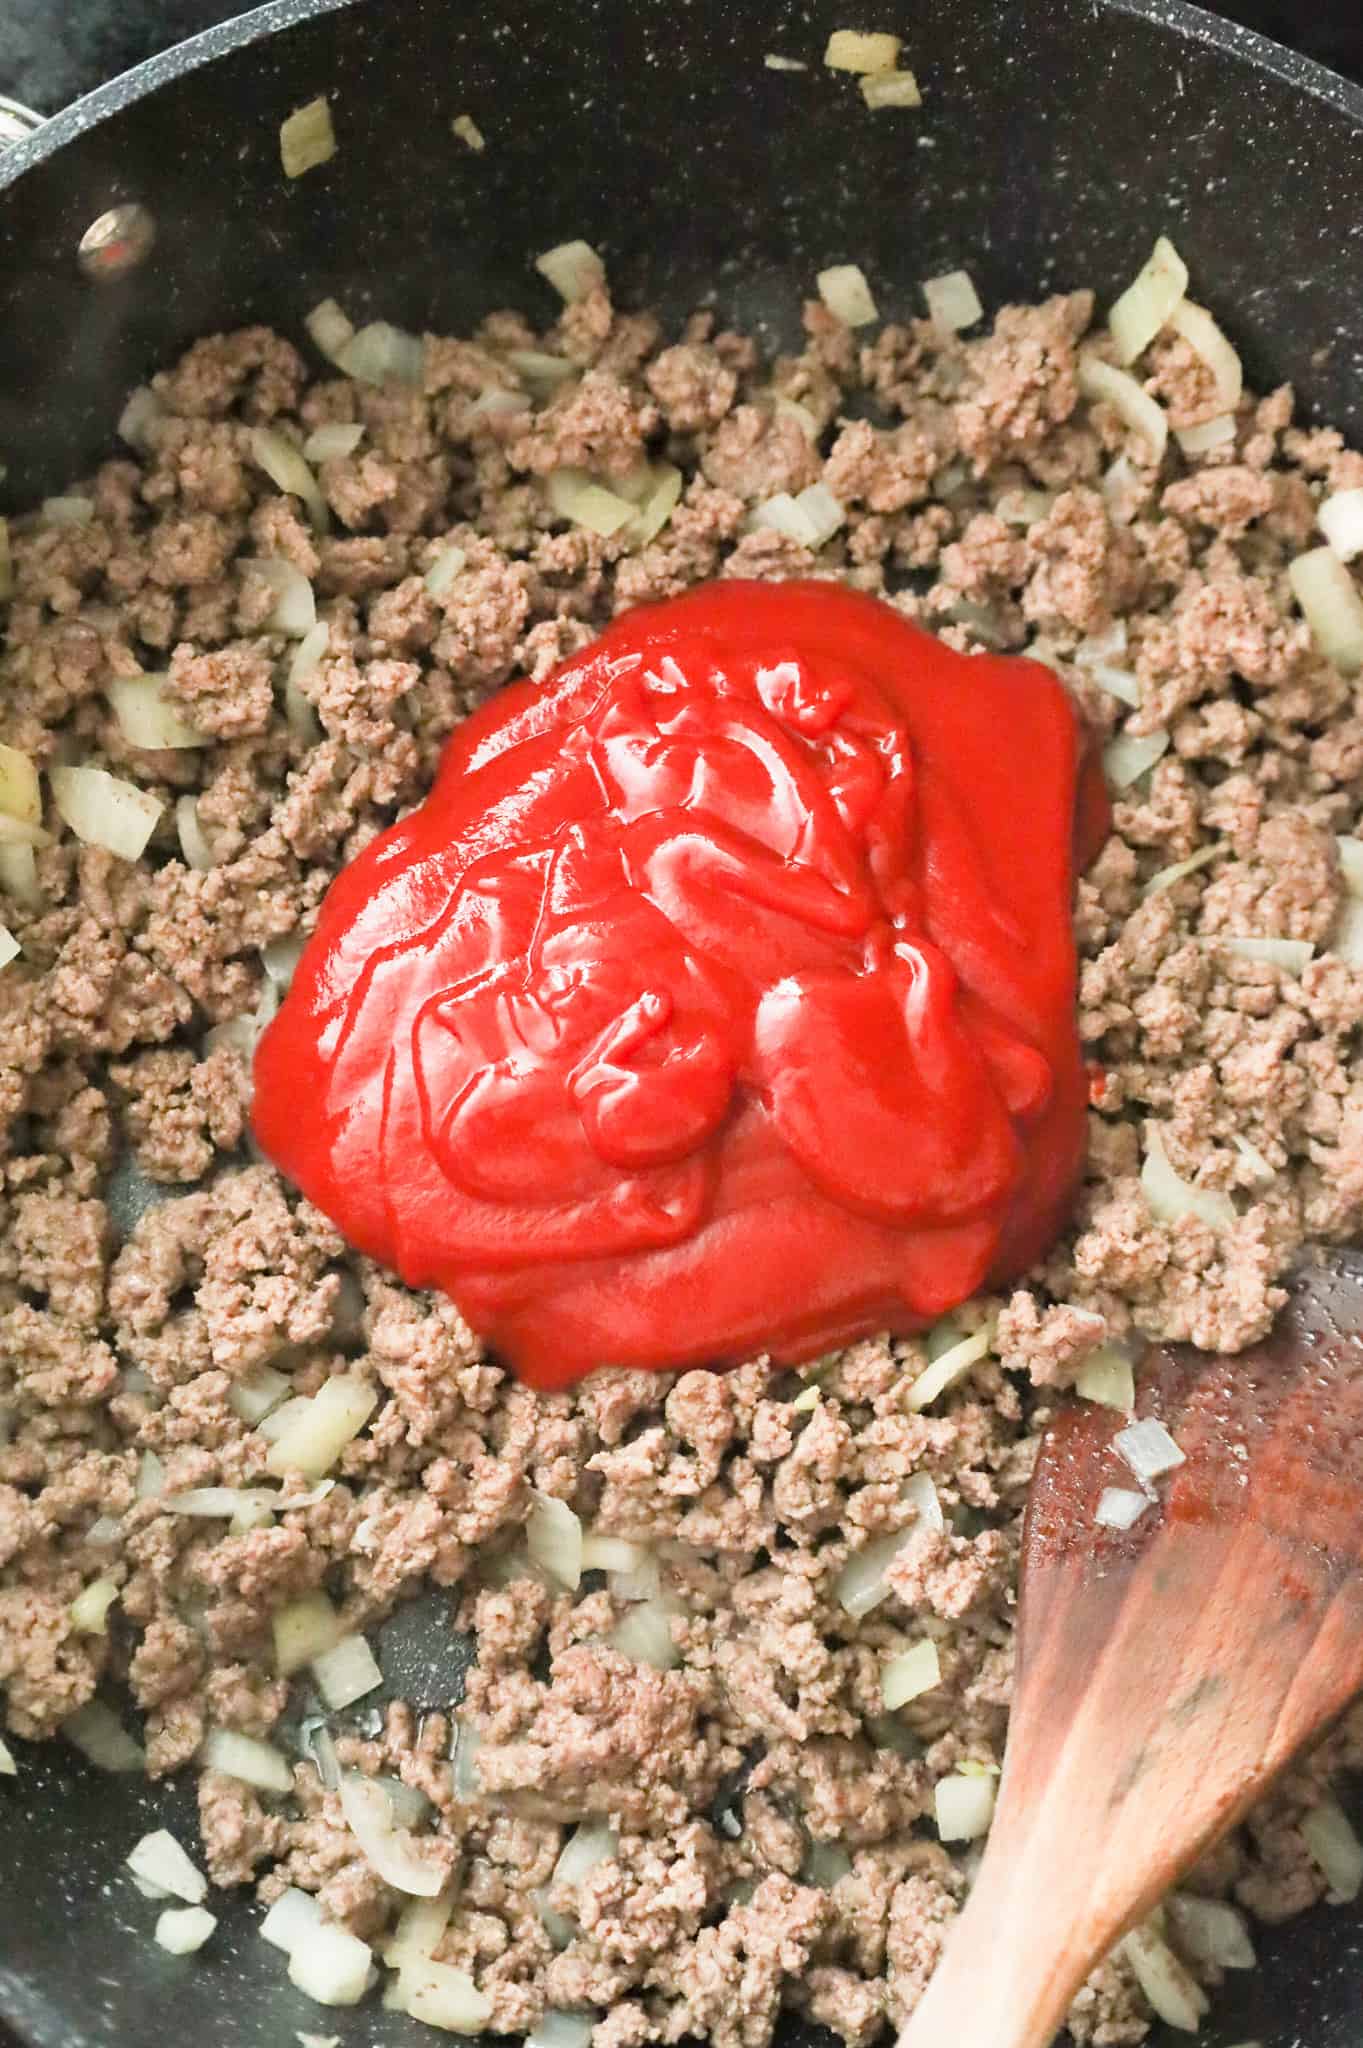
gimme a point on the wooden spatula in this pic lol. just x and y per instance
(1168, 1672)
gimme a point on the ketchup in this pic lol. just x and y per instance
(719, 999)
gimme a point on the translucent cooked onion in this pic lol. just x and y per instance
(825, 1864)
(1105, 384)
(644, 1582)
(331, 330)
(781, 514)
(1023, 508)
(1292, 955)
(146, 716)
(845, 292)
(554, 1539)
(913, 1671)
(280, 957)
(964, 1806)
(1108, 1378)
(1347, 940)
(205, 1503)
(466, 1744)
(383, 354)
(1170, 1198)
(658, 504)
(851, 49)
(409, 1806)
(20, 792)
(295, 606)
(19, 877)
(302, 1631)
(468, 131)
(1260, 1168)
(159, 1861)
(247, 1758)
(806, 1402)
(331, 1967)
(90, 1608)
(1126, 760)
(441, 1996)
(67, 511)
(1176, 1996)
(588, 1845)
(1210, 1931)
(774, 62)
(1147, 1448)
(575, 496)
(333, 442)
(307, 139)
(183, 1929)
(346, 1671)
(9, 946)
(953, 302)
(944, 1372)
(151, 1476)
(863, 1581)
(313, 1437)
(420, 1929)
(1165, 878)
(1350, 851)
(1206, 340)
(645, 1634)
(448, 565)
(1148, 301)
(190, 832)
(1331, 605)
(891, 89)
(103, 810)
(602, 1553)
(293, 1918)
(96, 1731)
(1209, 434)
(558, 2029)
(919, 1491)
(8, 1767)
(389, 1852)
(1329, 1836)
(138, 417)
(1120, 1508)
(1121, 683)
(283, 464)
(540, 372)
(574, 270)
(1340, 519)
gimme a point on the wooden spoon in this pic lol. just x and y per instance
(1166, 1673)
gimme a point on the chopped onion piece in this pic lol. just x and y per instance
(20, 794)
(1331, 606)
(314, 1439)
(1107, 1377)
(1292, 955)
(295, 607)
(443, 1997)
(824, 512)
(775, 63)
(645, 1634)
(920, 1492)
(1148, 1449)
(409, 1806)
(1209, 434)
(1329, 1836)
(1120, 1508)
(280, 957)
(466, 1745)
(891, 89)
(390, 1852)
(806, 1402)
(847, 295)
(851, 49)
(151, 1476)
(283, 464)
(1260, 1168)
(825, 1864)
(383, 354)
(193, 839)
(497, 399)
(19, 877)
(574, 270)
(783, 514)
(1170, 1197)
(912, 1672)
(247, 1758)
(1121, 683)
(539, 372)
(562, 2030)
(1210, 1931)
(1347, 942)
(658, 505)
(645, 1582)
(944, 1372)
(1206, 340)
(104, 1529)
(574, 495)
(183, 1929)
(332, 332)
(346, 1672)
(554, 1539)
(1024, 508)
(333, 442)
(468, 131)
(8, 1767)
(1165, 878)
(307, 139)
(591, 1843)
(421, 1925)
(863, 1581)
(67, 511)
(1351, 863)
(1126, 760)
(1340, 519)
(161, 1863)
(964, 1806)
(9, 946)
(96, 1731)
(610, 1553)
(302, 1631)
(1105, 384)
(138, 416)
(90, 1608)
(294, 1917)
(953, 302)
(279, 1419)
(441, 575)
(1148, 301)
(331, 1967)
(1176, 1996)
(102, 810)
(206, 1502)
(146, 717)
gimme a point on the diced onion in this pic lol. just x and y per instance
(408, 1804)
(151, 1476)
(1105, 384)
(9, 946)
(497, 399)
(920, 1492)
(891, 89)
(1174, 1993)
(1148, 1449)
(447, 566)
(964, 1806)
(1206, 340)
(1329, 1836)
(1165, 878)
(346, 1672)
(845, 292)
(138, 416)
(441, 1996)
(90, 1608)
(1107, 1377)
(588, 1845)
(953, 302)
(575, 496)
(1210, 1931)
(944, 1372)
(1148, 301)
(1121, 683)
(333, 442)
(645, 1634)
(96, 1731)
(20, 793)
(1340, 519)
(851, 49)
(805, 1403)
(574, 270)
(160, 1862)
(331, 330)
(554, 1539)
(776, 63)
(1170, 1198)
(824, 512)
(302, 1631)
(307, 139)
(293, 1918)
(912, 1672)
(644, 1582)
(331, 1967)
(825, 1864)
(146, 717)
(295, 606)
(183, 1929)
(540, 372)
(1120, 1508)
(283, 464)
(1347, 942)
(102, 810)
(610, 1553)
(280, 957)
(1024, 508)
(420, 1929)
(383, 354)
(1331, 605)
(562, 2030)
(467, 1743)
(863, 1581)
(104, 1529)
(1126, 760)
(1260, 1168)
(1209, 434)
(468, 131)
(19, 877)
(1292, 955)
(67, 511)
(1350, 852)
(193, 839)
(781, 514)
(658, 505)
(314, 1438)
(8, 1767)
(246, 1758)
(204, 1503)
(389, 1852)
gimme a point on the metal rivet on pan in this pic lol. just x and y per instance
(117, 242)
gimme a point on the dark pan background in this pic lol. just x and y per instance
(52, 51)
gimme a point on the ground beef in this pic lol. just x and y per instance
(771, 1842)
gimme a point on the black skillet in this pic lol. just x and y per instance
(1056, 139)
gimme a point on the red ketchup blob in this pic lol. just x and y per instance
(719, 999)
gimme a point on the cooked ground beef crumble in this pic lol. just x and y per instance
(774, 1824)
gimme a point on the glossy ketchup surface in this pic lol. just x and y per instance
(718, 1000)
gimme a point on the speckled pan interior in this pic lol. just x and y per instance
(1056, 139)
